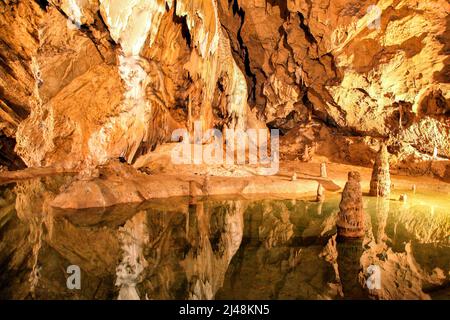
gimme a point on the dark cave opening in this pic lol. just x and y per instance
(43, 4)
(184, 27)
(244, 51)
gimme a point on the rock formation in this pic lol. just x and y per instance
(154, 66)
(323, 170)
(330, 75)
(98, 87)
(350, 68)
(380, 183)
(350, 222)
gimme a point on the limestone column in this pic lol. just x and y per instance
(350, 222)
(380, 183)
(323, 170)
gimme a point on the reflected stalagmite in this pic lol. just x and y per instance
(133, 238)
(382, 213)
(349, 266)
(380, 184)
(350, 223)
(320, 193)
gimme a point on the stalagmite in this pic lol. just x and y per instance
(380, 184)
(323, 170)
(306, 156)
(350, 223)
(294, 177)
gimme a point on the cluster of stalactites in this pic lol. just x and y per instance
(135, 23)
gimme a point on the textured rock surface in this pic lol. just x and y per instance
(330, 60)
(350, 222)
(154, 66)
(334, 76)
(380, 183)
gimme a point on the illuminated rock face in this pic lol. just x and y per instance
(115, 78)
(350, 223)
(359, 74)
(86, 81)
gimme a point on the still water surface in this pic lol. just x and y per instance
(219, 248)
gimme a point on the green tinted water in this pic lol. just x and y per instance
(219, 248)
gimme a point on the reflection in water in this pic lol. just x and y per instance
(214, 248)
(349, 266)
(132, 238)
(382, 212)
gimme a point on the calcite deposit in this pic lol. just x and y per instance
(100, 93)
(380, 183)
(85, 82)
(350, 222)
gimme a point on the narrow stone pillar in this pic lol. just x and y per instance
(350, 222)
(320, 193)
(380, 183)
(294, 177)
(323, 170)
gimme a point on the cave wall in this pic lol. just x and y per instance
(112, 79)
(357, 75)
(85, 81)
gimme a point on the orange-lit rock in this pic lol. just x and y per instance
(83, 82)
(350, 222)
